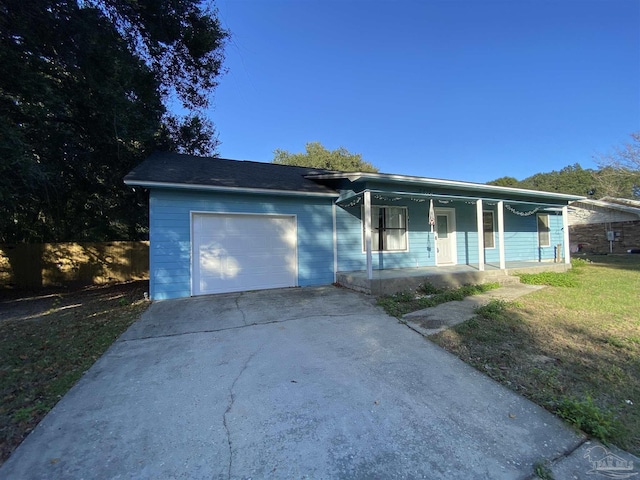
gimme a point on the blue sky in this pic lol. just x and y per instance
(465, 90)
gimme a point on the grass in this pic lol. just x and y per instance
(428, 296)
(574, 351)
(48, 340)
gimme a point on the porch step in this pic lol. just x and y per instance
(508, 280)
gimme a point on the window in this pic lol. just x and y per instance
(388, 229)
(544, 237)
(488, 227)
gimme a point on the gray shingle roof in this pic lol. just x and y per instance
(173, 169)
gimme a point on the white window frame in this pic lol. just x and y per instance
(493, 230)
(548, 232)
(374, 248)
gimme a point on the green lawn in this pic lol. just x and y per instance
(47, 340)
(573, 348)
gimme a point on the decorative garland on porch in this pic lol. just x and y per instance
(353, 202)
(521, 214)
(387, 199)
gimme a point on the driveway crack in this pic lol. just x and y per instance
(232, 399)
(244, 317)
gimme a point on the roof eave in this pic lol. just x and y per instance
(217, 188)
(434, 182)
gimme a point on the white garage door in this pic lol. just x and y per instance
(234, 252)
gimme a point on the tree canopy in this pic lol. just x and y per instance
(317, 156)
(573, 180)
(84, 96)
(618, 175)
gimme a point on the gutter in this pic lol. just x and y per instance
(434, 182)
(215, 188)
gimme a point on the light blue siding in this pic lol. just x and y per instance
(466, 233)
(520, 238)
(351, 254)
(170, 234)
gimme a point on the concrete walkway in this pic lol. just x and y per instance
(435, 319)
(296, 383)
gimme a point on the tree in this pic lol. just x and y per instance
(317, 156)
(84, 98)
(572, 179)
(504, 182)
(619, 174)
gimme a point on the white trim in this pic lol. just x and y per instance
(436, 182)
(367, 232)
(493, 228)
(607, 205)
(538, 215)
(503, 263)
(453, 238)
(335, 242)
(565, 235)
(406, 249)
(193, 213)
(480, 227)
(189, 186)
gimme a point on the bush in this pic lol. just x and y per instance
(589, 418)
(429, 289)
(492, 310)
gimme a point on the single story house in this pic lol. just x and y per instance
(219, 225)
(607, 225)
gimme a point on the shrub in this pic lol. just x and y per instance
(589, 418)
(492, 310)
(429, 289)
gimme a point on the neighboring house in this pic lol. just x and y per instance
(608, 225)
(220, 225)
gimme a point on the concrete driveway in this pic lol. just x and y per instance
(295, 383)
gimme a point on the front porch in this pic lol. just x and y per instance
(389, 281)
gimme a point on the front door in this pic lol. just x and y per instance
(445, 237)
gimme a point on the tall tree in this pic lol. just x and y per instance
(318, 156)
(619, 174)
(84, 97)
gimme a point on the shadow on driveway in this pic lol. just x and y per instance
(293, 383)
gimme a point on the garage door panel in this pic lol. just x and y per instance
(243, 252)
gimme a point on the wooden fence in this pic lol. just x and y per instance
(48, 264)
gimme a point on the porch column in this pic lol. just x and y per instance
(367, 232)
(480, 235)
(503, 263)
(565, 234)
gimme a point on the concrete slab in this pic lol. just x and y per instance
(319, 383)
(430, 321)
(594, 460)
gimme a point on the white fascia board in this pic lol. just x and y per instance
(215, 188)
(607, 205)
(435, 182)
